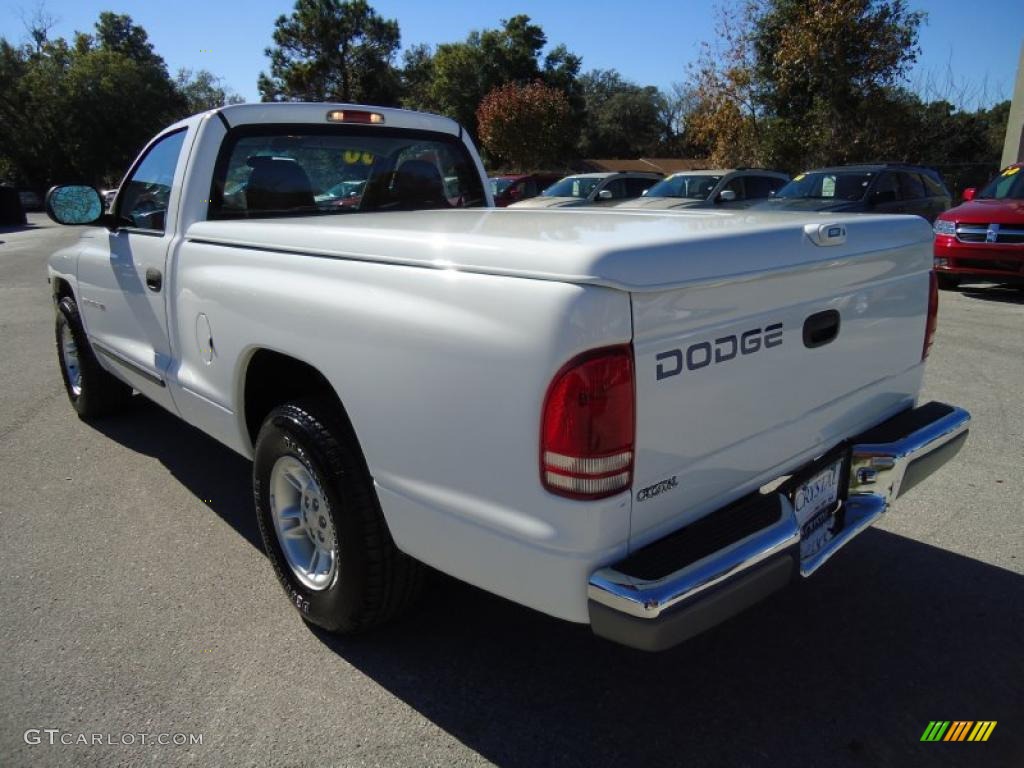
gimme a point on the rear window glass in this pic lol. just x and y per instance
(307, 170)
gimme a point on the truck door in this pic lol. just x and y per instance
(122, 276)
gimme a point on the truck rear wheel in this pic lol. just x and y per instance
(92, 391)
(321, 522)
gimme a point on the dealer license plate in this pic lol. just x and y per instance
(814, 501)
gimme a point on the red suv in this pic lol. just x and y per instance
(984, 237)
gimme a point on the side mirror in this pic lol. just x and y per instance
(726, 196)
(74, 204)
(969, 194)
(604, 194)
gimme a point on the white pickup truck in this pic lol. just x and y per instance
(641, 421)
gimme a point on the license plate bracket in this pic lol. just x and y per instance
(817, 493)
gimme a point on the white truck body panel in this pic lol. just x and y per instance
(440, 332)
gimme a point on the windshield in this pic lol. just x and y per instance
(1009, 185)
(572, 186)
(304, 170)
(499, 185)
(828, 185)
(682, 185)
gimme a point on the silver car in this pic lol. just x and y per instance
(592, 189)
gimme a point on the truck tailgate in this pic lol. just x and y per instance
(742, 378)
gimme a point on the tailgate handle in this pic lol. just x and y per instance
(821, 328)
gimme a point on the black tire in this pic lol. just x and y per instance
(948, 282)
(373, 581)
(99, 393)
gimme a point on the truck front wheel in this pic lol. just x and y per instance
(321, 523)
(91, 390)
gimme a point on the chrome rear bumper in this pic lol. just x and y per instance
(653, 613)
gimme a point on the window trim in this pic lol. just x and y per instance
(245, 130)
(133, 168)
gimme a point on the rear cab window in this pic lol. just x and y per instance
(269, 171)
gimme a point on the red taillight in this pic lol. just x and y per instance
(933, 314)
(587, 427)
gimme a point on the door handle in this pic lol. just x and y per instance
(821, 328)
(154, 279)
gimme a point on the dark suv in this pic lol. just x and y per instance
(876, 188)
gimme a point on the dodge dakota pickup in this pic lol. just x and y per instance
(640, 421)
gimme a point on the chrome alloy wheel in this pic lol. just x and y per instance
(69, 355)
(303, 523)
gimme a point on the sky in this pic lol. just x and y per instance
(970, 56)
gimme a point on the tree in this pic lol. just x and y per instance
(416, 76)
(203, 90)
(454, 79)
(333, 50)
(82, 112)
(623, 119)
(526, 127)
(804, 82)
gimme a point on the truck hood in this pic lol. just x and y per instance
(543, 201)
(1007, 211)
(658, 203)
(628, 250)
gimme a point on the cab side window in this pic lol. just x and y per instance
(762, 186)
(617, 188)
(144, 197)
(886, 189)
(735, 185)
(636, 187)
(911, 186)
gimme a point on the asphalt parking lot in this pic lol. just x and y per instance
(135, 599)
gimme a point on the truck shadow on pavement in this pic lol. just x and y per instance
(212, 472)
(845, 669)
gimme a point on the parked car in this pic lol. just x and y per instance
(11, 212)
(726, 187)
(876, 188)
(344, 194)
(592, 189)
(514, 188)
(983, 238)
(550, 405)
(30, 201)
